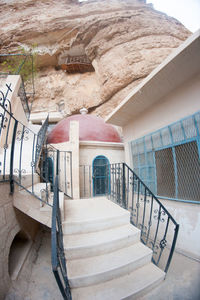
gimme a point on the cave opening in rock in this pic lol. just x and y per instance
(18, 252)
(77, 64)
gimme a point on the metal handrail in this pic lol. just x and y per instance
(41, 138)
(57, 249)
(24, 100)
(13, 139)
(48, 159)
(159, 230)
(18, 155)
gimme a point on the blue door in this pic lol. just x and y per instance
(101, 176)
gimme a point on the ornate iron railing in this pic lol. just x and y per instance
(4, 101)
(159, 230)
(58, 255)
(24, 99)
(48, 161)
(17, 152)
(17, 157)
(41, 138)
(20, 150)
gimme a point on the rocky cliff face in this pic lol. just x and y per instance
(124, 39)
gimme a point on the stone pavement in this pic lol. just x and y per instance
(182, 281)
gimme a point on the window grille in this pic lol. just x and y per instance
(168, 160)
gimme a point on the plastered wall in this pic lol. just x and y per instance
(73, 146)
(11, 222)
(182, 102)
(89, 150)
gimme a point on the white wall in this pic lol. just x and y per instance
(89, 150)
(73, 146)
(182, 102)
(114, 152)
(187, 215)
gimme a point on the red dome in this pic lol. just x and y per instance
(91, 128)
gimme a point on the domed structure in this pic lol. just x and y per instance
(91, 128)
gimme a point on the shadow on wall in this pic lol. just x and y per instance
(18, 253)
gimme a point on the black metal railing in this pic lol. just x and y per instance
(18, 152)
(48, 166)
(158, 228)
(41, 139)
(24, 99)
(57, 253)
(20, 157)
(17, 157)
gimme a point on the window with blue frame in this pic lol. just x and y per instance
(168, 160)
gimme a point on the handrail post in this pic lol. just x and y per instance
(155, 212)
(172, 248)
(57, 248)
(123, 186)
(57, 162)
(12, 157)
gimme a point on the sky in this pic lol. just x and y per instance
(186, 11)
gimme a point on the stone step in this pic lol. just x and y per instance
(98, 269)
(100, 242)
(27, 180)
(130, 286)
(89, 215)
(40, 190)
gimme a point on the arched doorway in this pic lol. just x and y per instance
(101, 176)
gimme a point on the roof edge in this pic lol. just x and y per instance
(153, 74)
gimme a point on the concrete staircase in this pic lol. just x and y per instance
(105, 258)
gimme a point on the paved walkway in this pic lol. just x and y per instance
(182, 281)
(42, 282)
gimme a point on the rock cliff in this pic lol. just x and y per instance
(124, 39)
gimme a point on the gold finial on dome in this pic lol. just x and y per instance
(83, 111)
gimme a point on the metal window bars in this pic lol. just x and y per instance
(172, 153)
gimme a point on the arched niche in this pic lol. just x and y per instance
(19, 250)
